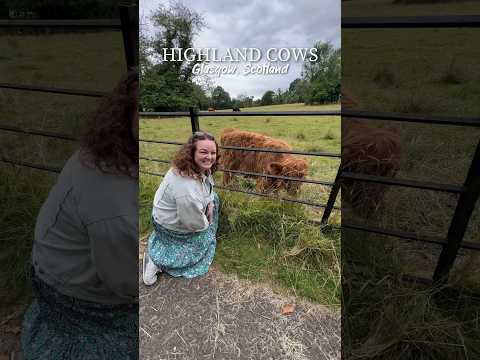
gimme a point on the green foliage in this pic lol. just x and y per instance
(221, 98)
(267, 98)
(164, 92)
(243, 101)
(168, 85)
(323, 75)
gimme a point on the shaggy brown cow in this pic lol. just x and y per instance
(262, 162)
(368, 150)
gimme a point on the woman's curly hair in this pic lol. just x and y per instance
(107, 141)
(184, 161)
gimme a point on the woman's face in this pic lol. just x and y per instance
(205, 154)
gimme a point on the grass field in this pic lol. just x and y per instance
(264, 239)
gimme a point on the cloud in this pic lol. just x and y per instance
(262, 24)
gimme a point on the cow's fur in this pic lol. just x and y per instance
(367, 150)
(262, 162)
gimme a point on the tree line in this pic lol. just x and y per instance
(171, 86)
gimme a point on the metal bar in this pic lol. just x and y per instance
(53, 90)
(309, 203)
(31, 165)
(63, 24)
(404, 182)
(317, 182)
(332, 197)
(253, 149)
(165, 114)
(326, 154)
(406, 235)
(37, 132)
(423, 119)
(129, 21)
(194, 120)
(155, 160)
(411, 22)
(245, 113)
(461, 217)
(160, 142)
(255, 193)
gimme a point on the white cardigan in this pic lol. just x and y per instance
(180, 202)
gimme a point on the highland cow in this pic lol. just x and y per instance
(262, 162)
(367, 150)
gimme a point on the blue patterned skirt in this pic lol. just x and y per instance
(187, 255)
(59, 327)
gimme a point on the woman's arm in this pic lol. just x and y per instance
(114, 249)
(190, 212)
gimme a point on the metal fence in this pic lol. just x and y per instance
(470, 190)
(194, 120)
(127, 24)
(468, 193)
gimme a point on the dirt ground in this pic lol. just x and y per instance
(218, 316)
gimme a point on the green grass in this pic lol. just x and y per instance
(264, 240)
(21, 200)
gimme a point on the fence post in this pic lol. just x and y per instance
(332, 197)
(461, 217)
(129, 20)
(194, 120)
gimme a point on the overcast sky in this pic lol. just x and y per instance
(260, 24)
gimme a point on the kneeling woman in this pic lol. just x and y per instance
(185, 214)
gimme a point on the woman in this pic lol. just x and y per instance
(85, 261)
(185, 213)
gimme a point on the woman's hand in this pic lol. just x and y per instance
(210, 212)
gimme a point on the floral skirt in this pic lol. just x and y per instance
(59, 327)
(187, 255)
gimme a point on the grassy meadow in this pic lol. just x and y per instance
(263, 239)
(420, 71)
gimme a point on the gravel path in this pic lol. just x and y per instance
(221, 317)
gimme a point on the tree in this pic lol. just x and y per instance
(323, 75)
(221, 99)
(267, 98)
(177, 26)
(243, 100)
(168, 85)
